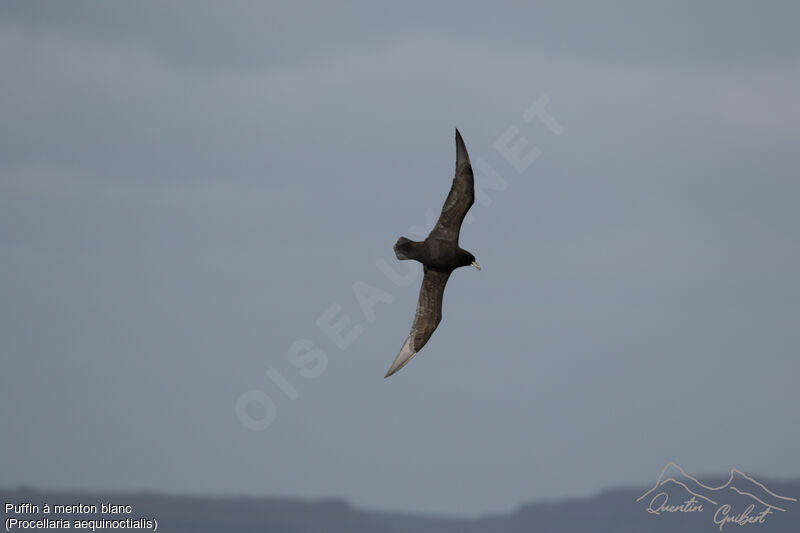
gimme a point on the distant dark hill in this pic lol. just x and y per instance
(611, 511)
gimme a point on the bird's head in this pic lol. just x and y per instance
(467, 259)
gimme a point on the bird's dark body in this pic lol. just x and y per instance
(440, 254)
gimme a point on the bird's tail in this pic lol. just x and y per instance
(402, 248)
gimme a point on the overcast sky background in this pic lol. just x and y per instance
(185, 188)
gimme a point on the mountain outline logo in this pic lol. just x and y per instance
(741, 500)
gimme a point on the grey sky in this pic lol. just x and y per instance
(186, 188)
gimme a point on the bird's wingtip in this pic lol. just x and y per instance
(398, 364)
(405, 355)
(461, 150)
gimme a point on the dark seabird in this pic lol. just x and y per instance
(439, 254)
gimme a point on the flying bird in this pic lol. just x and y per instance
(439, 254)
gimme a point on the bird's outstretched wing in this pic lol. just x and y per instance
(429, 314)
(460, 199)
